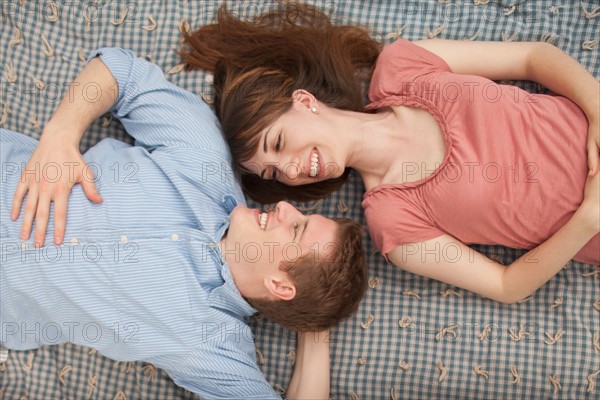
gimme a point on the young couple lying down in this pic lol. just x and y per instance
(150, 260)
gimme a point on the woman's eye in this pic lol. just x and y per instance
(274, 174)
(296, 227)
(278, 144)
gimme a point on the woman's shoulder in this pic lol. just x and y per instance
(399, 65)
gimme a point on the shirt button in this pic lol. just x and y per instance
(225, 220)
(175, 236)
(24, 245)
(211, 245)
(74, 241)
(124, 239)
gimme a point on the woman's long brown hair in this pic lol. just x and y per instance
(257, 66)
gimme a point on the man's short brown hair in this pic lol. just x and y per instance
(328, 289)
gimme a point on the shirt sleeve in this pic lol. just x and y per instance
(396, 218)
(153, 110)
(223, 371)
(400, 67)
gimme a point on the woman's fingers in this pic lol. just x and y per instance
(593, 157)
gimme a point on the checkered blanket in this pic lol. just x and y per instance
(412, 337)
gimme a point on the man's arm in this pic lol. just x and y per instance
(311, 372)
(228, 369)
(59, 144)
(158, 114)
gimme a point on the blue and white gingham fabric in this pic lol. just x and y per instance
(367, 362)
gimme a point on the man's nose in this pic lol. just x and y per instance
(285, 211)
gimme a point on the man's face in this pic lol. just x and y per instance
(284, 235)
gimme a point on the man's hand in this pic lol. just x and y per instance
(56, 164)
(310, 379)
(54, 167)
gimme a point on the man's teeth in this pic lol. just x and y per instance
(314, 164)
(263, 220)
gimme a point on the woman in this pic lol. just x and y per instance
(447, 156)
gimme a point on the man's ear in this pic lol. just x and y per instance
(280, 288)
(301, 97)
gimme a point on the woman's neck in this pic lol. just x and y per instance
(396, 145)
(376, 140)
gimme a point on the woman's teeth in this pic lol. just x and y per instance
(262, 218)
(314, 165)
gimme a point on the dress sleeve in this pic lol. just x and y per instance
(395, 218)
(153, 110)
(400, 66)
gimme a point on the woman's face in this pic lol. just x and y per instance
(300, 147)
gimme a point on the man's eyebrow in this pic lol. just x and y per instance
(305, 225)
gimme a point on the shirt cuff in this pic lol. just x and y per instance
(123, 67)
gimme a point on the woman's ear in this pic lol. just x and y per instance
(282, 289)
(304, 99)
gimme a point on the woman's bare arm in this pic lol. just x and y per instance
(448, 260)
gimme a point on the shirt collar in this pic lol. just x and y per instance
(228, 296)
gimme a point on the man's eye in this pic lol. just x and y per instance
(274, 174)
(296, 228)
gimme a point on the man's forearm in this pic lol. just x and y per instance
(90, 95)
(311, 372)
(562, 74)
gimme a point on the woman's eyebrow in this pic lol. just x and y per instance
(265, 141)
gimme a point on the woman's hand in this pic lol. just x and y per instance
(54, 167)
(590, 207)
(593, 145)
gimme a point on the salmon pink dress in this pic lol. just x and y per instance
(515, 165)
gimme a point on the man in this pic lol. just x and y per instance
(169, 264)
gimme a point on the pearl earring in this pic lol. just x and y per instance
(313, 109)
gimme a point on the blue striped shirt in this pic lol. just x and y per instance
(140, 276)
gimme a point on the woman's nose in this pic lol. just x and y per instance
(292, 169)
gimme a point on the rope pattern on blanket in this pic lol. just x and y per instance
(554, 338)
(151, 26)
(591, 381)
(16, 40)
(9, 73)
(61, 374)
(515, 374)
(150, 371)
(91, 385)
(590, 14)
(554, 381)
(48, 50)
(370, 319)
(443, 370)
(5, 112)
(480, 371)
